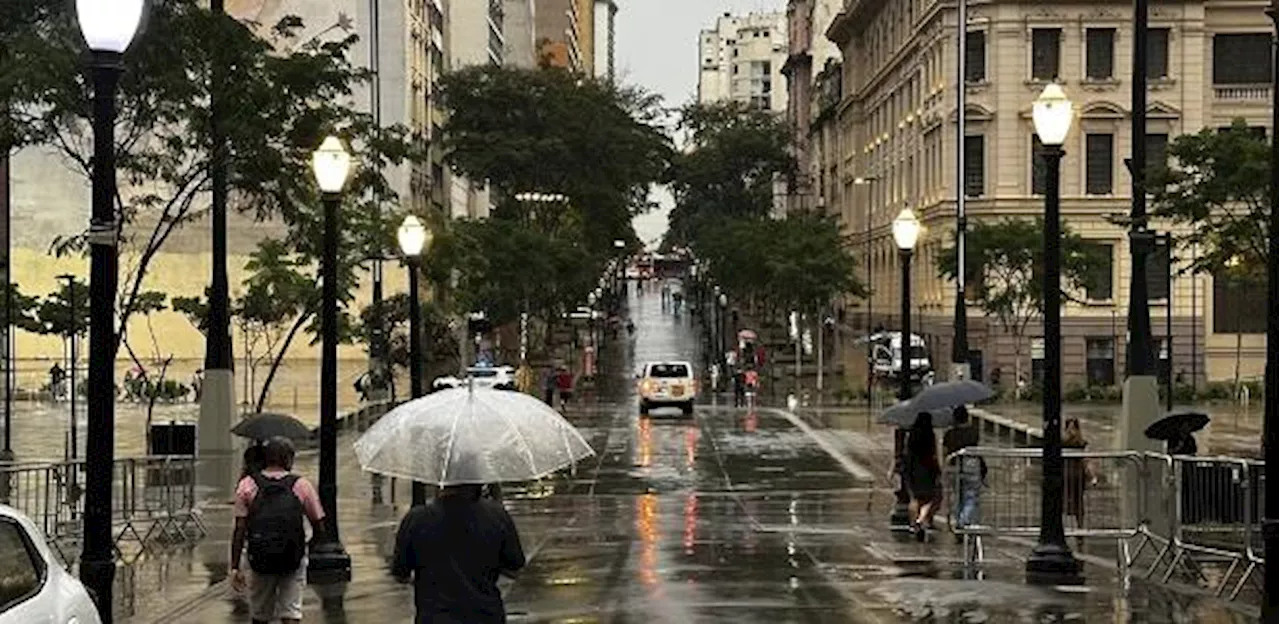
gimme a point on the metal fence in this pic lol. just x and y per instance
(153, 500)
(1191, 520)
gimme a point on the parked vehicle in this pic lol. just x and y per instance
(36, 587)
(493, 377)
(886, 355)
(668, 384)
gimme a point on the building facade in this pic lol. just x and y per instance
(565, 34)
(741, 59)
(809, 53)
(894, 131)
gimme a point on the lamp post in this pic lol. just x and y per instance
(906, 232)
(108, 27)
(1271, 374)
(960, 341)
(1051, 561)
(867, 181)
(723, 344)
(414, 239)
(73, 328)
(331, 164)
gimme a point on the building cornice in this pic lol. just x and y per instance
(840, 32)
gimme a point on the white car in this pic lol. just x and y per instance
(34, 585)
(491, 377)
(668, 384)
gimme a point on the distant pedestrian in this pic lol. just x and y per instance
(57, 379)
(1077, 473)
(197, 384)
(269, 509)
(713, 371)
(739, 389)
(923, 474)
(549, 387)
(453, 549)
(971, 471)
(564, 385)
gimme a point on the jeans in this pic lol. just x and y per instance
(968, 499)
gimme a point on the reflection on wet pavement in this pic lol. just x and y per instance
(730, 515)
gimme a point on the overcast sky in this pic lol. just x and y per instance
(657, 48)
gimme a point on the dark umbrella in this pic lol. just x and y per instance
(950, 394)
(267, 425)
(1177, 425)
(903, 416)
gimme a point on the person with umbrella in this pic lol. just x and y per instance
(923, 473)
(971, 471)
(453, 549)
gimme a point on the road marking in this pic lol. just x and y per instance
(850, 466)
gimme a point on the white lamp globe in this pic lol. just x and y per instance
(109, 25)
(413, 236)
(331, 164)
(591, 299)
(1052, 115)
(618, 243)
(906, 230)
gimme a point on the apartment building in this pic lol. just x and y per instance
(741, 59)
(565, 34)
(890, 142)
(809, 52)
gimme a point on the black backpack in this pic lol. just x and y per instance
(277, 540)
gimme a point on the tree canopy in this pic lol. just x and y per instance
(1218, 182)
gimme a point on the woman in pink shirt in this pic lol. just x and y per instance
(269, 509)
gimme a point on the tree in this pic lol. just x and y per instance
(440, 345)
(54, 315)
(1003, 263)
(551, 130)
(24, 307)
(734, 155)
(282, 97)
(1218, 183)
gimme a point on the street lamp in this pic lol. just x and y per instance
(331, 164)
(1271, 372)
(868, 181)
(414, 239)
(1051, 561)
(723, 300)
(108, 27)
(906, 232)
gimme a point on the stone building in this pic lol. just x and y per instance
(890, 142)
(741, 59)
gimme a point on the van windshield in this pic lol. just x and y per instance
(668, 371)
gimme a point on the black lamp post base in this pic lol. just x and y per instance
(1053, 564)
(328, 563)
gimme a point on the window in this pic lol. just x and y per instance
(1045, 53)
(1158, 271)
(1235, 297)
(1099, 163)
(1100, 361)
(1100, 53)
(1098, 285)
(1037, 166)
(22, 571)
(1157, 148)
(668, 371)
(1157, 53)
(974, 173)
(1242, 59)
(1037, 361)
(975, 56)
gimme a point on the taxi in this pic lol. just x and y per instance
(668, 384)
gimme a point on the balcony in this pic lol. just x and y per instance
(1250, 93)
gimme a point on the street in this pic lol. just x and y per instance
(733, 515)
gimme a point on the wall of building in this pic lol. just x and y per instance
(744, 43)
(897, 126)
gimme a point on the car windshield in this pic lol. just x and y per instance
(668, 371)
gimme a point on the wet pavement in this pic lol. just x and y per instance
(731, 515)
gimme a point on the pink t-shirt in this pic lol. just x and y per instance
(247, 490)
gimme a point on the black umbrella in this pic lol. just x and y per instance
(950, 394)
(1177, 425)
(268, 425)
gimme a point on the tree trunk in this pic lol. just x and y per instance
(1017, 366)
(279, 357)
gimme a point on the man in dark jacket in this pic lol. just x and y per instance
(454, 548)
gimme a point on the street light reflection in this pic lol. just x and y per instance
(691, 434)
(646, 527)
(646, 442)
(751, 422)
(690, 522)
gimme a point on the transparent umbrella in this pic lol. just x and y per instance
(471, 435)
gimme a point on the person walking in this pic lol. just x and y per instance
(453, 549)
(564, 384)
(549, 387)
(269, 508)
(971, 472)
(739, 389)
(1077, 474)
(923, 472)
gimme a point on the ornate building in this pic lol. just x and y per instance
(894, 131)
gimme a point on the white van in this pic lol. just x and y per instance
(886, 355)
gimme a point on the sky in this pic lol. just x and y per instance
(657, 48)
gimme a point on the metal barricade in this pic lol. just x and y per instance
(153, 499)
(1098, 497)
